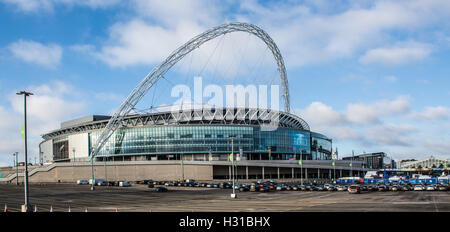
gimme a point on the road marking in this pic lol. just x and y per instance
(412, 203)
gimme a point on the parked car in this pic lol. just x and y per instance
(419, 187)
(329, 187)
(147, 181)
(113, 183)
(223, 185)
(281, 188)
(254, 188)
(302, 187)
(161, 189)
(431, 188)
(394, 188)
(264, 189)
(364, 188)
(354, 189)
(102, 183)
(382, 188)
(443, 187)
(406, 188)
(95, 181)
(170, 183)
(320, 188)
(342, 188)
(150, 185)
(243, 188)
(124, 184)
(82, 182)
(372, 188)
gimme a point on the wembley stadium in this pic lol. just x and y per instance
(200, 141)
(194, 143)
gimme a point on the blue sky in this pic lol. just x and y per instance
(373, 75)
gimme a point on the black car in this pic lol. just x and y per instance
(151, 185)
(147, 181)
(113, 183)
(160, 189)
(223, 185)
(243, 189)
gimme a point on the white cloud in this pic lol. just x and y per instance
(370, 113)
(28, 6)
(50, 105)
(396, 55)
(137, 42)
(202, 13)
(305, 32)
(320, 114)
(34, 52)
(394, 135)
(306, 36)
(433, 113)
(362, 122)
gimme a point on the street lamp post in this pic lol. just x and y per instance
(233, 195)
(16, 163)
(92, 172)
(25, 95)
(301, 167)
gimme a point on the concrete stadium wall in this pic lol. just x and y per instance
(47, 150)
(172, 170)
(118, 172)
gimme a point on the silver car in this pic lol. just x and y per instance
(82, 182)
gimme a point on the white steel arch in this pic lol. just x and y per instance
(145, 85)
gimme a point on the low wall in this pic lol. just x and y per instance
(116, 171)
(172, 170)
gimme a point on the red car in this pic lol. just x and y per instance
(354, 189)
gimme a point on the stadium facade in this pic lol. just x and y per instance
(205, 138)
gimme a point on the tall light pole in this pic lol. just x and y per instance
(233, 195)
(92, 172)
(104, 162)
(25, 95)
(16, 163)
(301, 167)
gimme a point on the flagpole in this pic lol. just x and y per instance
(182, 169)
(301, 167)
(351, 164)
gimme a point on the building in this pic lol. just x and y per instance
(200, 137)
(377, 160)
(431, 162)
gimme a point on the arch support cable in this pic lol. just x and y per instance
(147, 83)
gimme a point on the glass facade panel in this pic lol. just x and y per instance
(202, 139)
(321, 147)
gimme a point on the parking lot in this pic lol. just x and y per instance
(140, 198)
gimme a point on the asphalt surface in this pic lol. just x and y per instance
(139, 198)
